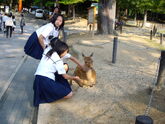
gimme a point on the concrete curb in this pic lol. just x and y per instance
(12, 77)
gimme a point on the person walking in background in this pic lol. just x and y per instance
(4, 18)
(55, 12)
(22, 23)
(51, 82)
(1, 22)
(40, 39)
(14, 21)
(9, 25)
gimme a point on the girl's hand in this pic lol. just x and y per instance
(77, 78)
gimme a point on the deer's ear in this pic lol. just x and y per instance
(83, 55)
(91, 55)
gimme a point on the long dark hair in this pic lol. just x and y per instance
(57, 46)
(54, 18)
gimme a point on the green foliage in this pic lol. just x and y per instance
(36, 2)
(49, 3)
(68, 2)
(142, 5)
(159, 6)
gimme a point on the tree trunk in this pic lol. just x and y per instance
(11, 3)
(56, 3)
(74, 13)
(135, 18)
(69, 10)
(106, 16)
(126, 12)
(118, 12)
(145, 19)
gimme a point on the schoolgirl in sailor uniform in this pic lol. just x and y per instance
(39, 39)
(50, 82)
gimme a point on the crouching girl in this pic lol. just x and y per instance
(51, 82)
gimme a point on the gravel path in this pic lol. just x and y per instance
(121, 92)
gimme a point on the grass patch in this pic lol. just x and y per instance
(155, 44)
(163, 32)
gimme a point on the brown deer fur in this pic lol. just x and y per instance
(88, 78)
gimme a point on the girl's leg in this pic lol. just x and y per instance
(11, 30)
(69, 95)
(22, 29)
(7, 31)
(3, 25)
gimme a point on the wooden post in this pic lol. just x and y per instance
(151, 35)
(64, 35)
(154, 30)
(143, 119)
(114, 53)
(20, 6)
(161, 38)
(161, 74)
(121, 28)
(91, 18)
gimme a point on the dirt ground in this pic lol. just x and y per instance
(122, 89)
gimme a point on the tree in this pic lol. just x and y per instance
(159, 6)
(106, 16)
(72, 3)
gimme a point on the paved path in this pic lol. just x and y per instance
(16, 79)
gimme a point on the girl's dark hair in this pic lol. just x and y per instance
(13, 17)
(54, 18)
(59, 11)
(57, 46)
(10, 14)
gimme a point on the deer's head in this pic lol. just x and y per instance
(88, 60)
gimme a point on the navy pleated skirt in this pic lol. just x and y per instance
(32, 47)
(47, 90)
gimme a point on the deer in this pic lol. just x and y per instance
(88, 77)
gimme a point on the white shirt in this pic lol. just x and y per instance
(4, 18)
(46, 31)
(48, 66)
(9, 22)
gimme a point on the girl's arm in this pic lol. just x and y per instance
(41, 41)
(66, 76)
(78, 63)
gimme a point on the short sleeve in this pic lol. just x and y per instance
(47, 30)
(67, 56)
(60, 67)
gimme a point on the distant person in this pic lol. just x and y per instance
(14, 21)
(22, 23)
(1, 22)
(51, 82)
(9, 25)
(40, 39)
(4, 18)
(55, 12)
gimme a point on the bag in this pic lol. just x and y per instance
(9, 22)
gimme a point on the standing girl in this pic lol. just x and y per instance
(50, 82)
(55, 12)
(9, 26)
(22, 23)
(39, 39)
